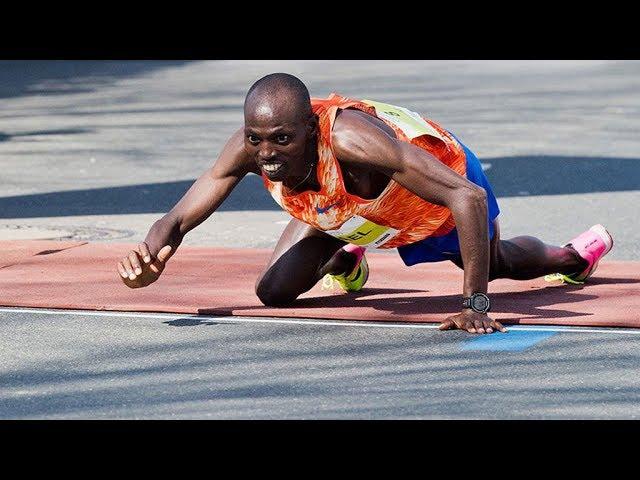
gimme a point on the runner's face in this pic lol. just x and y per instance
(278, 142)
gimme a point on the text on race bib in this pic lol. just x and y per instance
(363, 232)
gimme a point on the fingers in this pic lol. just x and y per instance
(482, 324)
(472, 324)
(486, 326)
(135, 262)
(126, 263)
(131, 265)
(447, 325)
(156, 267)
(139, 268)
(164, 253)
(457, 322)
(468, 325)
(479, 325)
(122, 270)
(143, 248)
(499, 326)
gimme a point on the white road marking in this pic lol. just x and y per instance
(339, 323)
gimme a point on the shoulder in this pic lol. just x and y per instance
(349, 121)
(234, 157)
(236, 142)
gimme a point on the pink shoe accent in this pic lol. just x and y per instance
(357, 250)
(592, 245)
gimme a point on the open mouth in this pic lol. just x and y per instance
(272, 168)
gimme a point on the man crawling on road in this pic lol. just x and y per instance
(358, 174)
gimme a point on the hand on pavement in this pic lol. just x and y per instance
(139, 268)
(472, 322)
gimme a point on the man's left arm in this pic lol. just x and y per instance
(359, 142)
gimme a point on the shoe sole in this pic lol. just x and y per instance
(605, 235)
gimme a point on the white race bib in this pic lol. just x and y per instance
(363, 232)
(411, 123)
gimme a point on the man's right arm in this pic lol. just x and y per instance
(204, 197)
(196, 205)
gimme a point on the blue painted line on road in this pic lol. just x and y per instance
(512, 341)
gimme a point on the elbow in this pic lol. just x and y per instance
(474, 194)
(480, 194)
(472, 197)
(480, 198)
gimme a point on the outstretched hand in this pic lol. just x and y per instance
(472, 322)
(139, 268)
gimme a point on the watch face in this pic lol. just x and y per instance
(480, 302)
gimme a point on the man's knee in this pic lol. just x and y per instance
(273, 297)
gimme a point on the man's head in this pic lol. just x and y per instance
(280, 126)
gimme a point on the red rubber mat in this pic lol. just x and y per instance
(220, 281)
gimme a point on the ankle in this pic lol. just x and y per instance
(575, 262)
(341, 263)
(347, 261)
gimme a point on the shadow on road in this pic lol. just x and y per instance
(509, 177)
(527, 305)
(58, 77)
(68, 131)
(557, 175)
(250, 194)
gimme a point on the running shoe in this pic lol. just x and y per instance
(354, 281)
(591, 245)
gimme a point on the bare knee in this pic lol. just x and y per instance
(271, 296)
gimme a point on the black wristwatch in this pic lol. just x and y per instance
(478, 302)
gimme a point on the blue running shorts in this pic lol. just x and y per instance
(447, 247)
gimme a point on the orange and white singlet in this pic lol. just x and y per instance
(397, 216)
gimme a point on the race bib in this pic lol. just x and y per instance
(363, 232)
(411, 123)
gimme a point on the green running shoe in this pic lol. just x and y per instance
(352, 282)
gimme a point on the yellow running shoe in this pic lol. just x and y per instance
(355, 280)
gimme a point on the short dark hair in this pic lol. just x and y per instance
(285, 86)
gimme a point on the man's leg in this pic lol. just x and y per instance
(525, 257)
(301, 258)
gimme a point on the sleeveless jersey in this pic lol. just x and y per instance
(397, 216)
